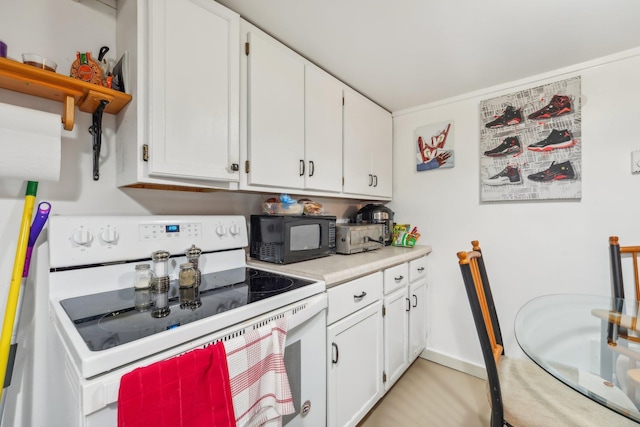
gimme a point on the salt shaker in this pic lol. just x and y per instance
(160, 287)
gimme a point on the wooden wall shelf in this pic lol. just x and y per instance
(27, 79)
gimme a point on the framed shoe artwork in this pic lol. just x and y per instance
(434, 145)
(530, 144)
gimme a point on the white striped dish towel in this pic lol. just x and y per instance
(259, 382)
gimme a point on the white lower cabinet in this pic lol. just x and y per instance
(404, 317)
(376, 329)
(418, 311)
(396, 336)
(354, 340)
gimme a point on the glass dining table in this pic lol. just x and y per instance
(590, 343)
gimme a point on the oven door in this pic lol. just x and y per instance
(78, 402)
(305, 361)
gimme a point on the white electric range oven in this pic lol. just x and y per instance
(96, 334)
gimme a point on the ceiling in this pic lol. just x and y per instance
(405, 53)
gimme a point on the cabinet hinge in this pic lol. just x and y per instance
(384, 311)
(247, 169)
(246, 48)
(145, 152)
(343, 181)
(384, 377)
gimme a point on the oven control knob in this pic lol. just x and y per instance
(221, 230)
(109, 235)
(82, 237)
(234, 230)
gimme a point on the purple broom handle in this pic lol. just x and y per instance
(36, 227)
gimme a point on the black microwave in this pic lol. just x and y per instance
(283, 239)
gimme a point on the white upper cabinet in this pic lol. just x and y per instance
(293, 119)
(368, 151)
(275, 122)
(323, 131)
(184, 77)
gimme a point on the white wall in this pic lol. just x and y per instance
(531, 248)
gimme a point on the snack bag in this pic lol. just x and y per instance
(403, 237)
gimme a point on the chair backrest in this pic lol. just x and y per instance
(485, 319)
(487, 290)
(615, 254)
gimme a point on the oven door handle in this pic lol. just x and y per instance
(314, 306)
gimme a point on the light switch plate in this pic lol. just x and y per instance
(635, 162)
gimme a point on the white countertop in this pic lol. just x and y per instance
(337, 269)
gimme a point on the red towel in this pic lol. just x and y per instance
(190, 390)
(259, 382)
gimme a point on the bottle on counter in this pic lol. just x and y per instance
(143, 279)
(193, 256)
(187, 275)
(160, 284)
(142, 276)
(189, 291)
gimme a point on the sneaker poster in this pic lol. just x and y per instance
(530, 144)
(435, 146)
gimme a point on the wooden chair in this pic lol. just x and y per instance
(626, 364)
(615, 253)
(520, 392)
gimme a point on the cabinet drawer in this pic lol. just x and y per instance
(352, 296)
(396, 277)
(417, 269)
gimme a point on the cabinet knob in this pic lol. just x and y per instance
(399, 278)
(301, 167)
(335, 346)
(420, 269)
(370, 180)
(312, 168)
(415, 297)
(408, 304)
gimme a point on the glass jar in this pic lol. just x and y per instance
(193, 256)
(187, 275)
(160, 263)
(142, 276)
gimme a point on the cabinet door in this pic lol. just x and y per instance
(355, 366)
(417, 318)
(396, 335)
(367, 147)
(275, 134)
(194, 85)
(323, 131)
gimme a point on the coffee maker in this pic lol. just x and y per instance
(377, 214)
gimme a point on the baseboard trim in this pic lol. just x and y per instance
(453, 363)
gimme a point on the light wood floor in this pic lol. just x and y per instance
(429, 394)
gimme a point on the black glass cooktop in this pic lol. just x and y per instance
(108, 319)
